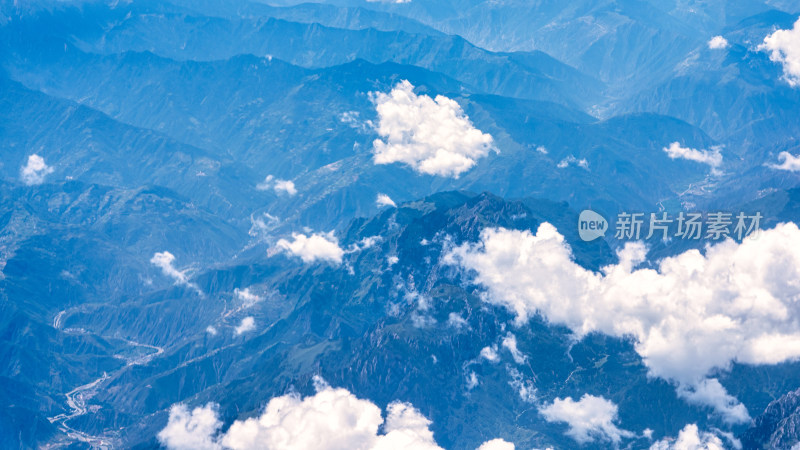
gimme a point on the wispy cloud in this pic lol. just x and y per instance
(277, 185)
(711, 158)
(571, 160)
(164, 260)
(788, 162)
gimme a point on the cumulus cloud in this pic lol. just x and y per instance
(718, 43)
(191, 430)
(689, 315)
(432, 135)
(384, 200)
(571, 160)
(784, 48)
(332, 419)
(316, 247)
(788, 162)
(35, 171)
(247, 297)
(690, 438)
(590, 418)
(712, 158)
(496, 444)
(277, 185)
(247, 324)
(164, 261)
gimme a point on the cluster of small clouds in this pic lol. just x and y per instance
(788, 162)
(277, 185)
(432, 135)
(571, 160)
(711, 158)
(718, 43)
(34, 171)
(691, 314)
(164, 261)
(590, 418)
(332, 419)
(783, 47)
(314, 247)
(353, 119)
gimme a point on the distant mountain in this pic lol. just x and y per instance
(190, 154)
(736, 94)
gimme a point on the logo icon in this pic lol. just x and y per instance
(591, 225)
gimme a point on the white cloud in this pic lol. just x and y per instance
(35, 171)
(364, 243)
(456, 321)
(472, 381)
(571, 160)
(710, 392)
(510, 343)
(712, 158)
(353, 119)
(691, 314)
(788, 162)
(193, 430)
(385, 200)
(524, 387)
(332, 419)
(718, 43)
(164, 261)
(490, 353)
(247, 297)
(389, 1)
(211, 330)
(690, 439)
(247, 324)
(590, 418)
(277, 185)
(784, 48)
(497, 444)
(422, 320)
(316, 247)
(433, 136)
(542, 149)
